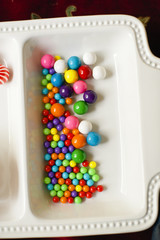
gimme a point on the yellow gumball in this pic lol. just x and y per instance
(56, 137)
(78, 188)
(53, 131)
(71, 76)
(92, 164)
(57, 58)
(72, 163)
(49, 86)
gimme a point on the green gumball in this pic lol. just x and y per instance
(78, 155)
(80, 107)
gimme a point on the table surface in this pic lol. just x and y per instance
(147, 11)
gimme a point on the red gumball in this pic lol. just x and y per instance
(68, 181)
(92, 189)
(55, 199)
(58, 174)
(45, 112)
(76, 169)
(50, 117)
(47, 168)
(67, 143)
(45, 120)
(88, 194)
(49, 138)
(52, 101)
(51, 162)
(70, 200)
(67, 113)
(99, 188)
(82, 194)
(84, 72)
(70, 136)
(85, 163)
(82, 182)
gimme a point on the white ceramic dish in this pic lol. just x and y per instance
(127, 115)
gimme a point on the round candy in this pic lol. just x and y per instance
(71, 76)
(99, 72)
(74, 62)
(85, 72)
(85, 127)
(57, 79)
(90, 96)
(78, 155)
(80, 107)
(79, 141)
(71, 122)
(89, 58)
(93, 138)
(60, 66)
(47, 61)
(66, 91)
(95, 177)
(79, 87)
(99, 188)
(4, 74)
(57, 110)
(92, 164)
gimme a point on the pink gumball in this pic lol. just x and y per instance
(47, 61)
(71, 122)
(80, 87)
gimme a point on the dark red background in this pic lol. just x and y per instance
(147, 11)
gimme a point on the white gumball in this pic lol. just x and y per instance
(85, 127)
(99, 72)
(89, 58)
(60, 66)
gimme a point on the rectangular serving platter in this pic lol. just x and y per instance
(127, 115)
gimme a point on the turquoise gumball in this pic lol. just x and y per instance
(93, 138)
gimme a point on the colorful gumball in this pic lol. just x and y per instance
(93, 138)
(74, 62)
(79, 87)
(90, 96)
(57, 79)
(85, 72)
(66, 91)
(71, 76)
(80, 107)
(71, 122)
(57, 110)
(79, 141)
(4, 74)
(47, 61)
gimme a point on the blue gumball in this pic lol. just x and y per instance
(93, 138)
(74, 62)
(57, 79)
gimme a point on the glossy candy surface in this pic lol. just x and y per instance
(80, 107)
(93, 138)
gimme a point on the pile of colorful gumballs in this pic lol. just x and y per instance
(70, 176)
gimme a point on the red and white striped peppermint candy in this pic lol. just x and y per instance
(4, 74)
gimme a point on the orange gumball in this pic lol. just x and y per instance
(54, 156)
(66, 130)
(57, 110)
(75, 131)
(62, 169)
(63, 199)
(68, 101)
(67, 193)
(85, 188)
(61, 181)
(79, 141)
(61, 156)
(51, 94)
(71, 187)
(55, 90)
(45, 99)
